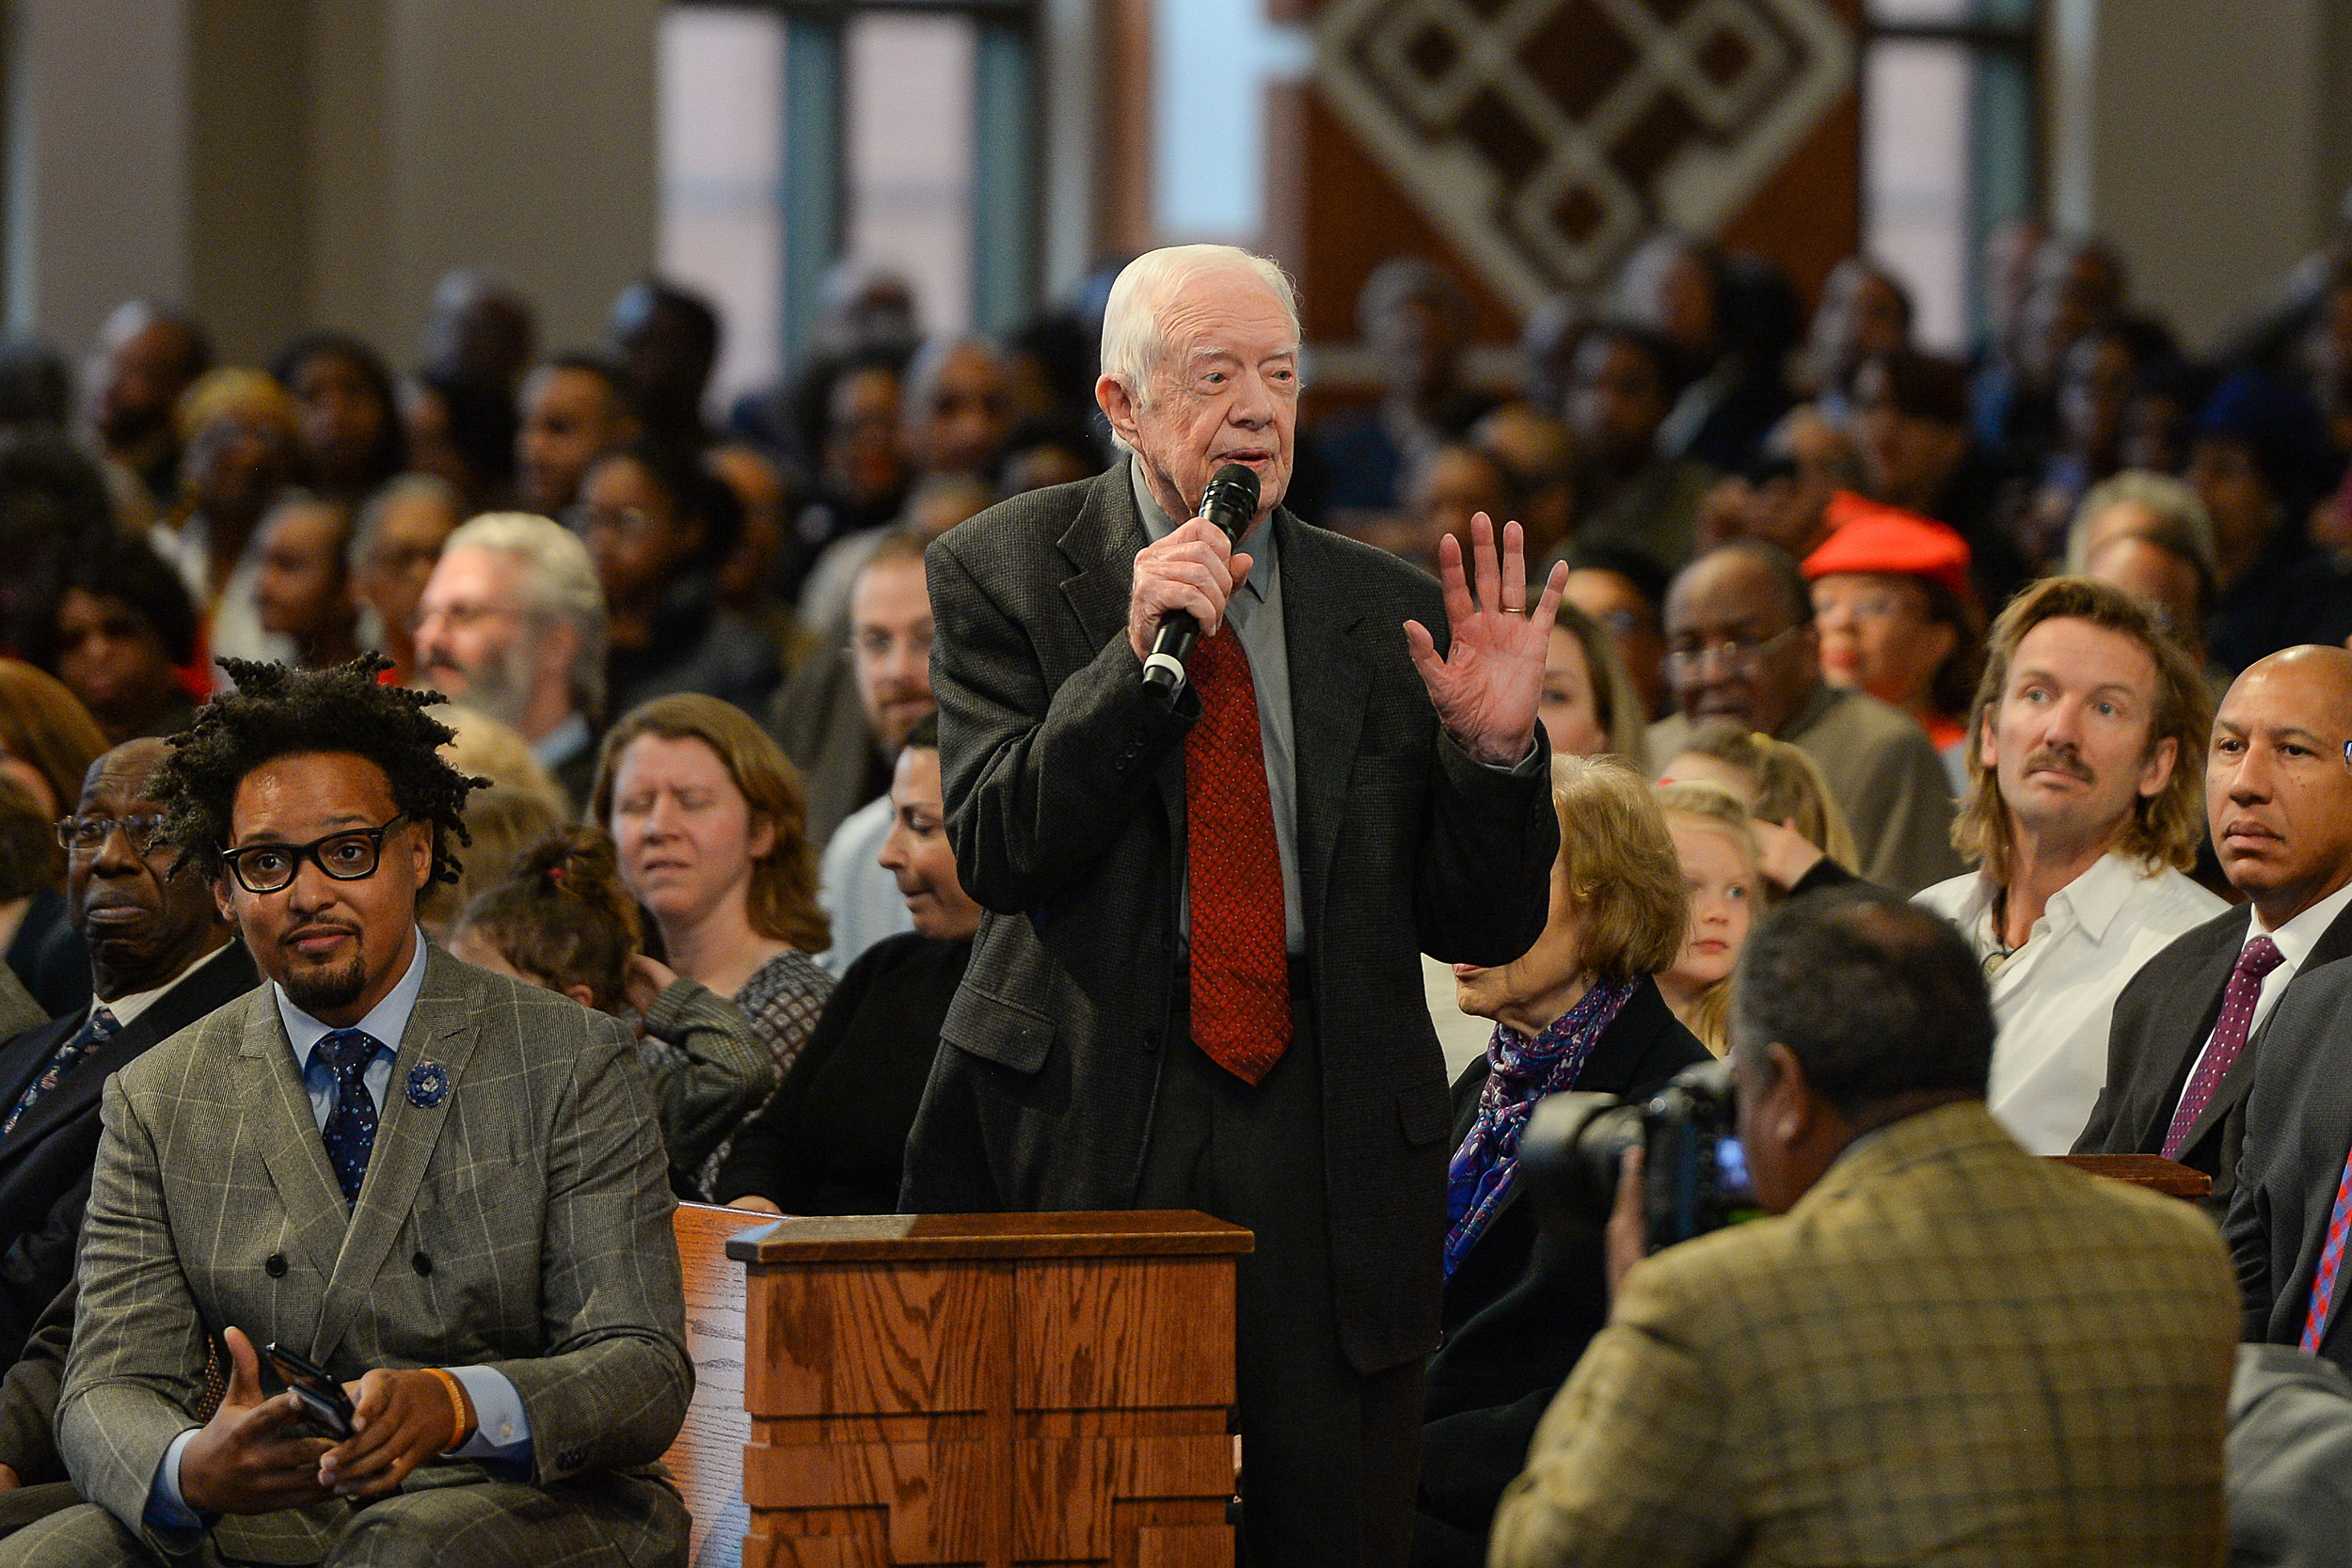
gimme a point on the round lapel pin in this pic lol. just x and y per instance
(428, 1085)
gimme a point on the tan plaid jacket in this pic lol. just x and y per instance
(1948, 1354)
(523, 1224)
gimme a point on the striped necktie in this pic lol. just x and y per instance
(2330, 1264)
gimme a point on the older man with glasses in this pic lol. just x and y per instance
(512, 623)
(160, 959)
(1741, 644)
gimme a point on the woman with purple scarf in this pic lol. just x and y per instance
(1579, 1011)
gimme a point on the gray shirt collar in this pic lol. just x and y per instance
(1265, 570)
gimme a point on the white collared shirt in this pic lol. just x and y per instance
(126, 1008)
(2055, 999)
(2295, 941)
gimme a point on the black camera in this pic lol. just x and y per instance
(1694, 1174)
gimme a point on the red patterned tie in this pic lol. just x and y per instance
(2261, 956)
(1241, 1010)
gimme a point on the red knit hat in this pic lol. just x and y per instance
(1867, 536)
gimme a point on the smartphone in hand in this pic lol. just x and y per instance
(328, 1407)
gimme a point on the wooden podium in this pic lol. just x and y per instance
(989, 1390)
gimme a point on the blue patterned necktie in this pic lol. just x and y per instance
(350, 1129)
(86, 1042)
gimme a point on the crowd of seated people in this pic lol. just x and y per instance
(2048, 641)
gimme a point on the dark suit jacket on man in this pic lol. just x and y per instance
(2162, 1021)
(1065, 788)
(1521, 1306)
(520, 1220)
(45, 1162)
(2298, 1127)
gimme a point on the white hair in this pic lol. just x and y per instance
(1133, 344)
(560, 582)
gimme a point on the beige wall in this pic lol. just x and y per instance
(2206, 139)
(282, 164)
(98, 152)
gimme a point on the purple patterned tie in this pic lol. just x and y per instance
(86, 1042)
(2261, 956)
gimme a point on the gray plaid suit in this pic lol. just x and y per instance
(521, 1224)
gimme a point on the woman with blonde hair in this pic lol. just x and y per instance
(711, 827)
(1578, 1010)
(1723, 873)
(1799, 827)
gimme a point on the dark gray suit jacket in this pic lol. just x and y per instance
(2298, 1127)
(2162, 1020)
(1065, 791)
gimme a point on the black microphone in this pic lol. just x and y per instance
(1230, 502)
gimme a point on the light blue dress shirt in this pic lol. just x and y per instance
(501, 1429)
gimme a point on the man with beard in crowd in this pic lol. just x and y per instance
(512, 625)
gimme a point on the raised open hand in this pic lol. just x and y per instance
(1487, 687)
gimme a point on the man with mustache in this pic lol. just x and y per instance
(161, 957)
(2278, 800)
(512, 623)
(2085, 801)
(443, 1186)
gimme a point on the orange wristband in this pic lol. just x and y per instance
(461, 1421)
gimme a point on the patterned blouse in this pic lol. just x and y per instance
(782, 999)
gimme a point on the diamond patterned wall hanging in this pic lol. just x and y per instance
(1545, 137)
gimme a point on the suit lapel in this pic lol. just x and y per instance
(76, 1094)
(1102, 542)
(443, 1030)
(1332, 652)
(271, 1088)
(34, 1048)
(2333, 943)
(220, 980)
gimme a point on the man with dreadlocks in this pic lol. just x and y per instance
(444, 1187)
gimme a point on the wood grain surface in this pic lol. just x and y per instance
(2151, 1171)
(902, 1238)
(1059, 1392)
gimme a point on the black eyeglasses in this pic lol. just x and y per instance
(350, 856)
(87, 835)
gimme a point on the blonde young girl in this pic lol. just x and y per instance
(1723, 872)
